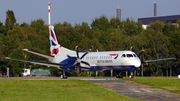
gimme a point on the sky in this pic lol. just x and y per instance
(78, 11)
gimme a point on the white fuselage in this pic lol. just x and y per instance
(105, 59)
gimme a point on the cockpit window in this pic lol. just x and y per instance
(129, 55)
(123, 55)
(134, 55)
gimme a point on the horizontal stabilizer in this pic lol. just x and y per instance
(40, 54)
(150, 61)
(38, 62)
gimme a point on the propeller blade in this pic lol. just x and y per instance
(72, 65)
(78, 67)
(84, 54)
(85, 68)
(71, 57)
(86, 63)
(77, 53)
(78, 61)
(86, 50)
(131, 49)
(144, 63)
(140, 53)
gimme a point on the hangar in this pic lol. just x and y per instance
(165, 19)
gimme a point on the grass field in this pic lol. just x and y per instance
(167, 83)
(56, 90)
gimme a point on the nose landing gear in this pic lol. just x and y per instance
(131, 74)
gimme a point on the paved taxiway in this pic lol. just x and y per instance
(139, 91)
(127, 88)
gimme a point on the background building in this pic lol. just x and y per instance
(119, 13)
(165, 19)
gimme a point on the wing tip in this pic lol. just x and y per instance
(7, 58)
(25, 49)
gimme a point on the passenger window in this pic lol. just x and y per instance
(134, 55)
(129, 55)
(123, 56)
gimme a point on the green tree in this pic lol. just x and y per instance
(157, 26)
(16, 66)
(84, 29)
(13, 39)
(10, 19)
(115, 23)
(131, 28)
(39, 26)
(101, 23)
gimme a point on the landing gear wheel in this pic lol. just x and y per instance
(131, 75)
(118, 75)
(63, 76)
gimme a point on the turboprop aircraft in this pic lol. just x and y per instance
(68, 60)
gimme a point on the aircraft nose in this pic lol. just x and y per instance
(137, 63)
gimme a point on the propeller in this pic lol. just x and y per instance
(142, 62)
(140, 53)
(78, 61)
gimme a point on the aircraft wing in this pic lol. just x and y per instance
(38, 62)
(40, 54)
(150, 61)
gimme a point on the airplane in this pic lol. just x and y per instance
(68, 60)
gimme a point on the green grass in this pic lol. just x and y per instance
(56, 90)
(167, 83)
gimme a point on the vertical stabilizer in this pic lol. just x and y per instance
(54, 45)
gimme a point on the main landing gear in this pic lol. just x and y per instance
(63, 76)
(119, 74)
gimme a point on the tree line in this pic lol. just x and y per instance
(159, 40)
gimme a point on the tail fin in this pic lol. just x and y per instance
(54, 45)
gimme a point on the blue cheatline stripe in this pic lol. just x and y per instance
(69, 62)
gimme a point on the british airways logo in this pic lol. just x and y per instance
(114, 55)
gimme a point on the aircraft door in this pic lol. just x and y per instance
(123, 59)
